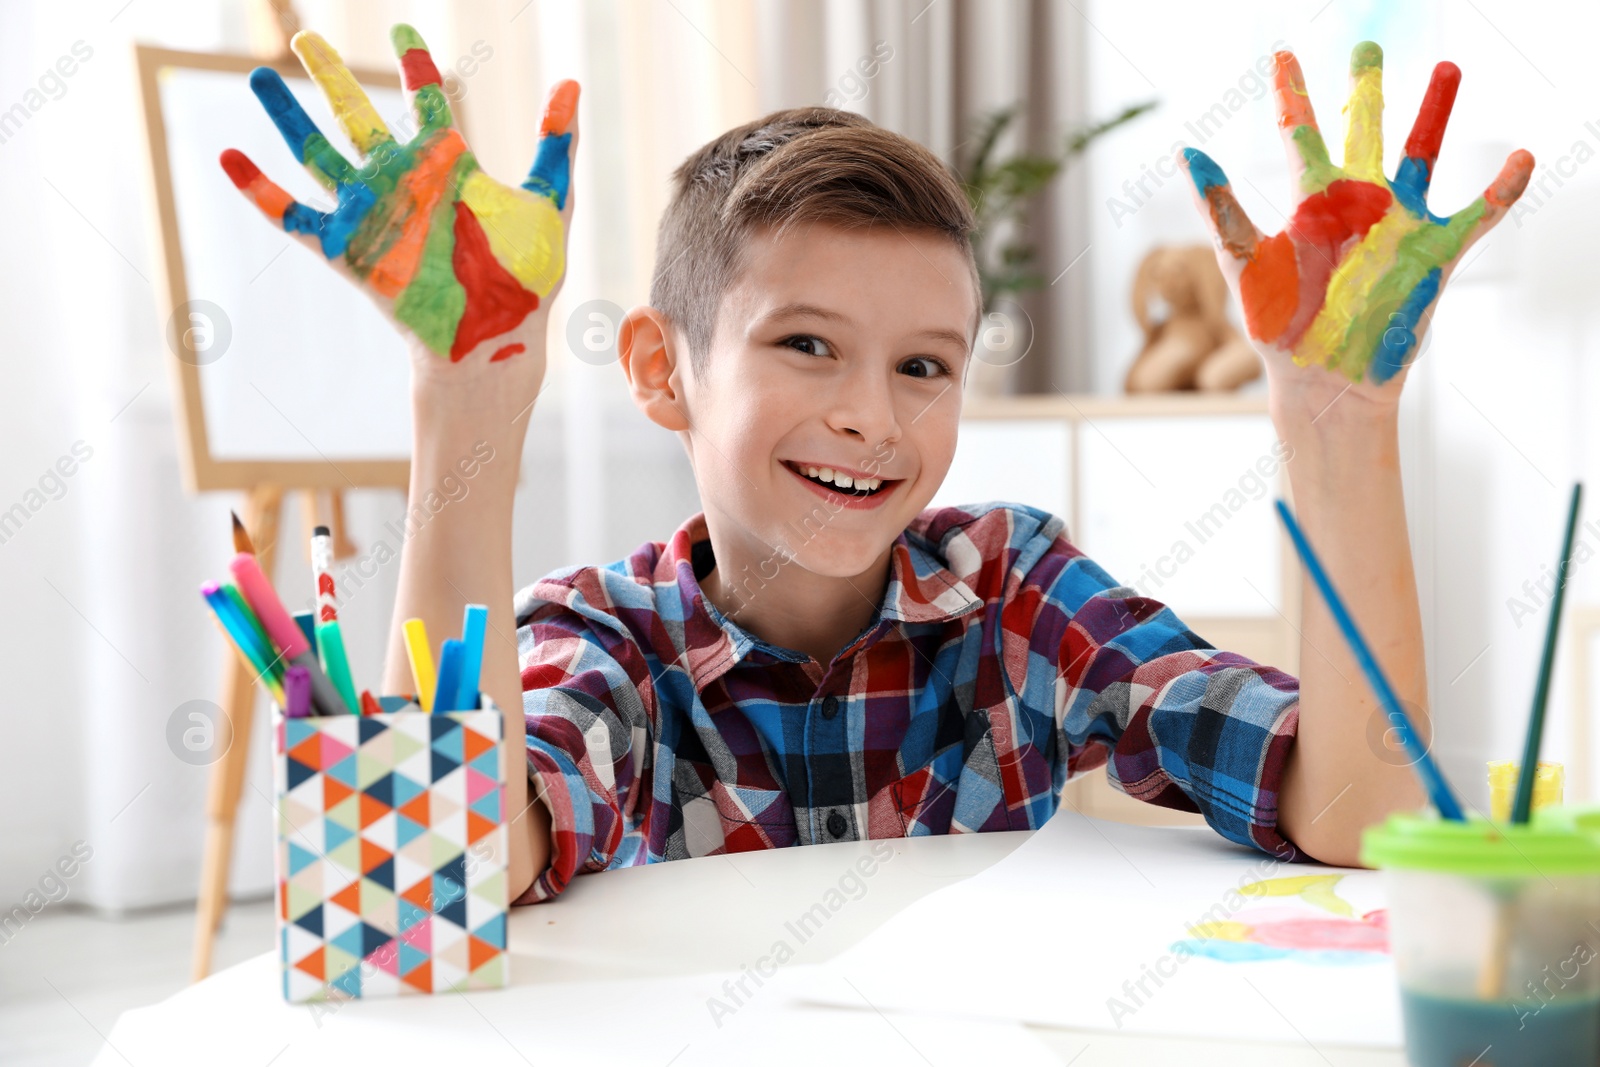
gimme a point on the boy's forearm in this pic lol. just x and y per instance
(461, 554)
(1344, 772)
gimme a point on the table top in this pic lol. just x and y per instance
(659, 964)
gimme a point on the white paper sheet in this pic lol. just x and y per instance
(239, 1016)
(1078, 927)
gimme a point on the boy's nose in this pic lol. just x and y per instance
(864, 410)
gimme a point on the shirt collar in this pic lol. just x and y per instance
(922, 588)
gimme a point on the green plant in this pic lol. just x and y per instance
(1001, 191)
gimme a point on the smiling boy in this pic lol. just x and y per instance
(818, 656)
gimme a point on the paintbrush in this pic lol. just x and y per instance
(1438, 790)
(1522, 806)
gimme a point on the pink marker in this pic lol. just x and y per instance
(283, 630)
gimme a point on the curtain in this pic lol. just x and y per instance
(107, 638)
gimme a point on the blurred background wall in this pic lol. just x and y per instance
(105, 635)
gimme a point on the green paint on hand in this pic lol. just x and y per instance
(432, 305)
(1419, 252)
(1320, 171)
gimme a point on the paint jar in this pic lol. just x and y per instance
(1549, 780)
(1490, 929)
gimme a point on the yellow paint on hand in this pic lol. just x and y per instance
(524, 230)
(1315, 889)
(1363, 132)
(1352, 282)
(356, 115)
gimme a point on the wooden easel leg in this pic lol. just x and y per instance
(262, 509)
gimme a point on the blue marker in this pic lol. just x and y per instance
(473, 624)
(448, 685)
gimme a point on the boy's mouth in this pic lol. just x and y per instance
(841, 482)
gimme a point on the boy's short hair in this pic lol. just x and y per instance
(801, 165)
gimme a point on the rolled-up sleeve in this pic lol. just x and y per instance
(1176, 722)
(589, 705)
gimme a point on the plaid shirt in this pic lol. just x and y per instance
(1000, 662)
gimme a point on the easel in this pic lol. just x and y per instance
(263, 481)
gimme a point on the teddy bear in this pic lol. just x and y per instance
(1193, 345)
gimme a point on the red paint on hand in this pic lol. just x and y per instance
(1321, 230)
(1427, 134)
(496, 301)
(247, 177)
(507, 352)
(417, 67)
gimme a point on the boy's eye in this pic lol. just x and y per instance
(798, 341)
(925, 367)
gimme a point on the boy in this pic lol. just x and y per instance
(816, 657)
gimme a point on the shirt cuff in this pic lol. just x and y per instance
(556, 780)
(1263, 824)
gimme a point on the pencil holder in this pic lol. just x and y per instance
(391, 854)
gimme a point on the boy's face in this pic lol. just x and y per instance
(835, 348)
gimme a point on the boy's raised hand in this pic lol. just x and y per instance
(1351, 282)
(461, 263)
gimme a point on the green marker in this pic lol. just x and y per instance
(273, 663)
(330, 647)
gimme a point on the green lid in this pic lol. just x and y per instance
(1479, 848)
(1581, 817)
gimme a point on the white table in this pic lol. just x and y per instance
(623, 968)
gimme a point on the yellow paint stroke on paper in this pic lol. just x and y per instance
(1314, 889)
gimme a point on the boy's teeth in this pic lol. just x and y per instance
(841, 479)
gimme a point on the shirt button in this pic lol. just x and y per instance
(836, 824)
(830, 708)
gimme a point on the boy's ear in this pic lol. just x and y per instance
(648, 350)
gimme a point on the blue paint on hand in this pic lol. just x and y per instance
(1410, 187)
(551, 168)
(284, 110)
(1400, 337)
(1203, 171)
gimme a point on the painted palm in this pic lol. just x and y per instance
(454, 256)
(1350, 282)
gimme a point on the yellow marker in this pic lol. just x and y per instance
(357, 116)
(419, 652)
(1548, 786)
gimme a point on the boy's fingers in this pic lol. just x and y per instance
(1363, 132)
(307, 143)
(421, 79)
(1214, 196)
(354, 112)
(551, 174)
(1506, 189)
(1427, 134)
(1302, 138)
(275, 204)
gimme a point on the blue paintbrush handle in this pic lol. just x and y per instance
(1438, 789)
